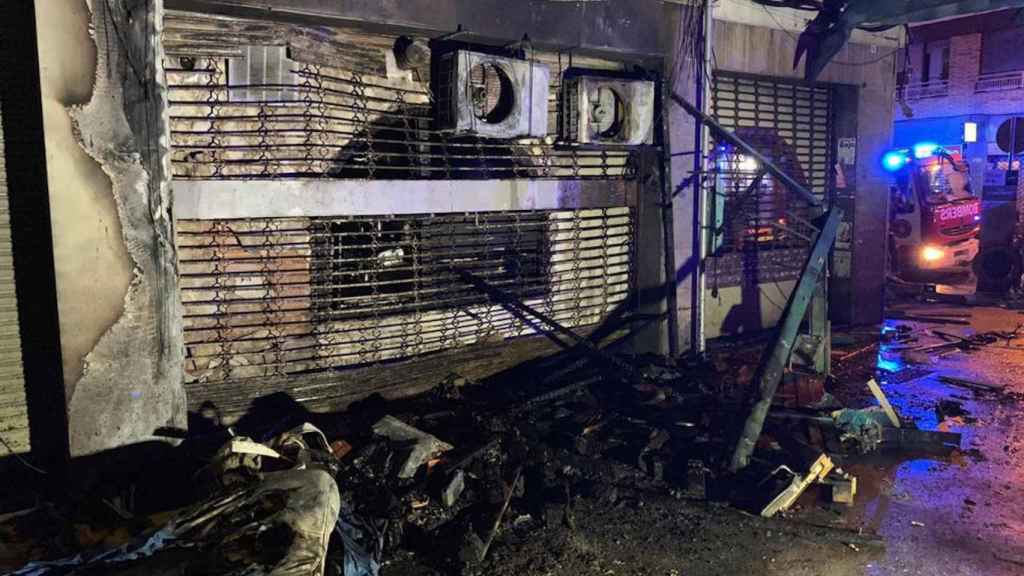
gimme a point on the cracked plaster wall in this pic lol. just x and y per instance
(114, 259)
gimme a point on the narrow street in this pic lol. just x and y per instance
(961, 515)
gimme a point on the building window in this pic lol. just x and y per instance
(936, 62)
(1002, 169)
(999, 53)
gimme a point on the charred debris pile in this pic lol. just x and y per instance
(444, 475)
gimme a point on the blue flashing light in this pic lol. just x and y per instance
(925, 149)
(895, 160)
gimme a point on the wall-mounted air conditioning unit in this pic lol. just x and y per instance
(262, 74)
(600, 110)
(492, 96)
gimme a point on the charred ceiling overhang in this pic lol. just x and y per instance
(827, 33)
(634, 28)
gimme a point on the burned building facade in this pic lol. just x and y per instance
(274, 199)
(247, 204)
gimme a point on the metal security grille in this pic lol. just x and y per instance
(272, 297)
(365, 266)
(798, 113)
(346, 125)
(260, 100)
(789, 121)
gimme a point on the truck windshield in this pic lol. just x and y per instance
(946, 182)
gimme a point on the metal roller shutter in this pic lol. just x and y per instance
(275, 296)
(13, 408)
(763, 230)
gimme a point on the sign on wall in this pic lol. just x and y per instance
(847, 151)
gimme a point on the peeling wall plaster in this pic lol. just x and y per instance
(117, 297)
(93, 270)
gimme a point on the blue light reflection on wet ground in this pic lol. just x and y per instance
(957, 514)
(889, 360)
(915, 389)
(916, 468)
(891, 364)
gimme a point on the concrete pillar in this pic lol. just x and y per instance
(1020, 209)
(117, 297)
(916, 60)
(681, 129)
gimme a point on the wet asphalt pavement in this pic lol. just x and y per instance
(962, 514)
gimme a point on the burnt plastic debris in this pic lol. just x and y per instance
(362, 544)
(451, 476)
(306, 446)
(278, 526)
(866, 427)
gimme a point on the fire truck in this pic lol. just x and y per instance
(935, 218)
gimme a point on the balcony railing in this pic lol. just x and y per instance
(922, 90)
(999, 82)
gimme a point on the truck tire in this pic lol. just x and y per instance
(998, 269)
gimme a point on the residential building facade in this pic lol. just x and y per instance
(963, 88)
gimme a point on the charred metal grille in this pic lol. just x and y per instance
(790, 122)
(335, 111)
(343, 125)
(403, 264)
(271, 297)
